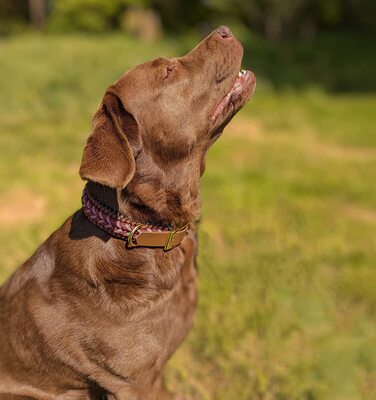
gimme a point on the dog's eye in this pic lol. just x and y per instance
(169, 69)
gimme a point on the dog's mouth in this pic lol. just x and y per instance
(240, 92)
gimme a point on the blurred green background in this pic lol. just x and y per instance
(287, 241)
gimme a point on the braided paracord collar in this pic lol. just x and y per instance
(113, 222)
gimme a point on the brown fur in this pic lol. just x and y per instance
(85, 316)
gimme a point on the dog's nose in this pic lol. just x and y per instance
(224, 32)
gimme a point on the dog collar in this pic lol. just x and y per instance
(135, 234)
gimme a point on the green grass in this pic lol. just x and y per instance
(287, 241)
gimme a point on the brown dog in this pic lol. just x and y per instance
(97, 311)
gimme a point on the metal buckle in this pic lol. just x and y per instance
(170, 237)
(130, 236)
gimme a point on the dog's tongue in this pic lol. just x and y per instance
(245, 80)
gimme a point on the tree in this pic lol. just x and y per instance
(37, 12)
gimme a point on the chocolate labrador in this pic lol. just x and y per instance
(104, 302)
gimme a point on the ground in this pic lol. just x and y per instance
(287, 240)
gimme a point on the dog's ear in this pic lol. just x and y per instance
(108, 157)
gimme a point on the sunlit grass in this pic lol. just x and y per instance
(287, 240)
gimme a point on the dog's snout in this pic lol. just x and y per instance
(224, 32)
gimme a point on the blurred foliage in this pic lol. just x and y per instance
(88, 15)
(342, 62)
(13, 15)
(272, 18)
(302, 47)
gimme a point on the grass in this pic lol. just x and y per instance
(287, 258)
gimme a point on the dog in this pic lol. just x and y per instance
(105, 301)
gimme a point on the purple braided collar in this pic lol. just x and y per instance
(112, 221)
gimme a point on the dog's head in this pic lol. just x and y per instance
(167, 108)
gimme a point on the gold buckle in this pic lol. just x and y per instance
(170, 237)
(130, 236)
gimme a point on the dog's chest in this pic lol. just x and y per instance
(145, 340)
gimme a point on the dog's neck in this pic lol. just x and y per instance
(167, 197)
